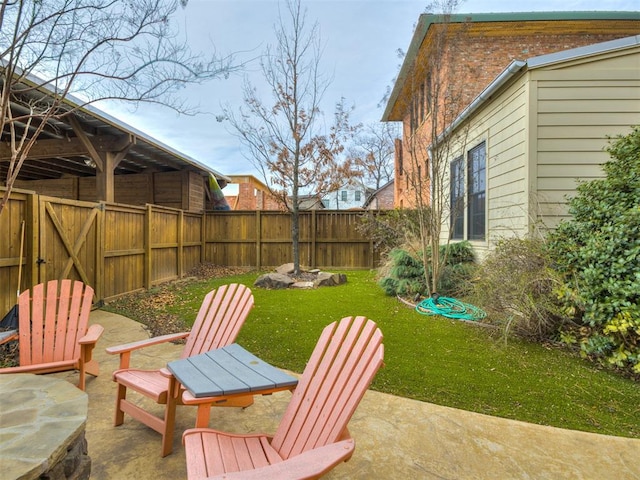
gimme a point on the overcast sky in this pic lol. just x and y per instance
(360, 39)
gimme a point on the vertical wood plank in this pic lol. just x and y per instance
(147, 247)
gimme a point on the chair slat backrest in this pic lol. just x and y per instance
(219, 320)
(340, 369)
(52, 319)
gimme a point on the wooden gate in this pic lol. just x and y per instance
(69, 241)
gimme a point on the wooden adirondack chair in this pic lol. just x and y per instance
(54, 332)
(221, 315)
(312, 437)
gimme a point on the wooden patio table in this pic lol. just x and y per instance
(225, 374)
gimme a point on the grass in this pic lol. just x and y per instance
(432, 359)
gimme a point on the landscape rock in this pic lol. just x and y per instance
(274, 281)
(285, 269)
(326, 279)
(283, 277)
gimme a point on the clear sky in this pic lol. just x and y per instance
(360, 38)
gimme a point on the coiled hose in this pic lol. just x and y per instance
(450, 308)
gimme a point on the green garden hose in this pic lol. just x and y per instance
(450, 308)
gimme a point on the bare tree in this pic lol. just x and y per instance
(52, 51)
(438, 97)
(372, 153)
(287, 141)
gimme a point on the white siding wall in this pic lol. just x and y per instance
(577, 108)
(334, 201)
(544, 133)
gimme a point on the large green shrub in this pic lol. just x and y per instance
(405, 276)
(598, 252)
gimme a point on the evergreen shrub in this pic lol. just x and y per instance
(404, 271)
(598, 253)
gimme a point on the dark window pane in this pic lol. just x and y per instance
(457, 199)
(477, 187)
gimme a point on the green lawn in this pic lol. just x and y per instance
(433, 359)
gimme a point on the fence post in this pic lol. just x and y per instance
(147, 247)
(180, 253)
(371, 244)
(258, 240)
(314, 235)
(32, 242)
(100, 260)
(203, 237)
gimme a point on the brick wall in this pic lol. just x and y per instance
(246, 199)
(482, 59)
(383, 199)
(476, 55)
(252, 195)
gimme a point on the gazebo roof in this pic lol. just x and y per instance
(60, 152)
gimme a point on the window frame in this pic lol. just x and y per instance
(477, 193)
(457, 192)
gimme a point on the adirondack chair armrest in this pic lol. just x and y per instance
(125, 350)
(308, 465)
(93, 334)
(129, 347)
(8, 336)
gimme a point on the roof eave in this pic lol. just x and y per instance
(426, 20)
(98, 114)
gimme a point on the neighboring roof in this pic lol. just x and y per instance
(516, 67)
(375, 192)
(310, 202)
(248, 178)
(350, 185)
(146, 152)
(427, 20)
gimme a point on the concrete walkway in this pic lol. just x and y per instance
(395, 438)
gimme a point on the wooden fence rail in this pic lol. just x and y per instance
(119, 249)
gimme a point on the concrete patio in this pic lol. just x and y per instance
(395, 438)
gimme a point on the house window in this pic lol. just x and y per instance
(412, 122)
(358, 195)
(457, 199)
(429, 96)
(476, 175)
(421, 102)
(343, 195)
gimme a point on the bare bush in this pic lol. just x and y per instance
(515, 286)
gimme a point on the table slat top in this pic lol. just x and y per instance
(229, 370)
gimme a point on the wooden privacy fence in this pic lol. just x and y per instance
(262, 239)
(119, 249)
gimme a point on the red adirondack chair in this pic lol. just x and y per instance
(312, 437)
(54, 331)
(221, 315)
